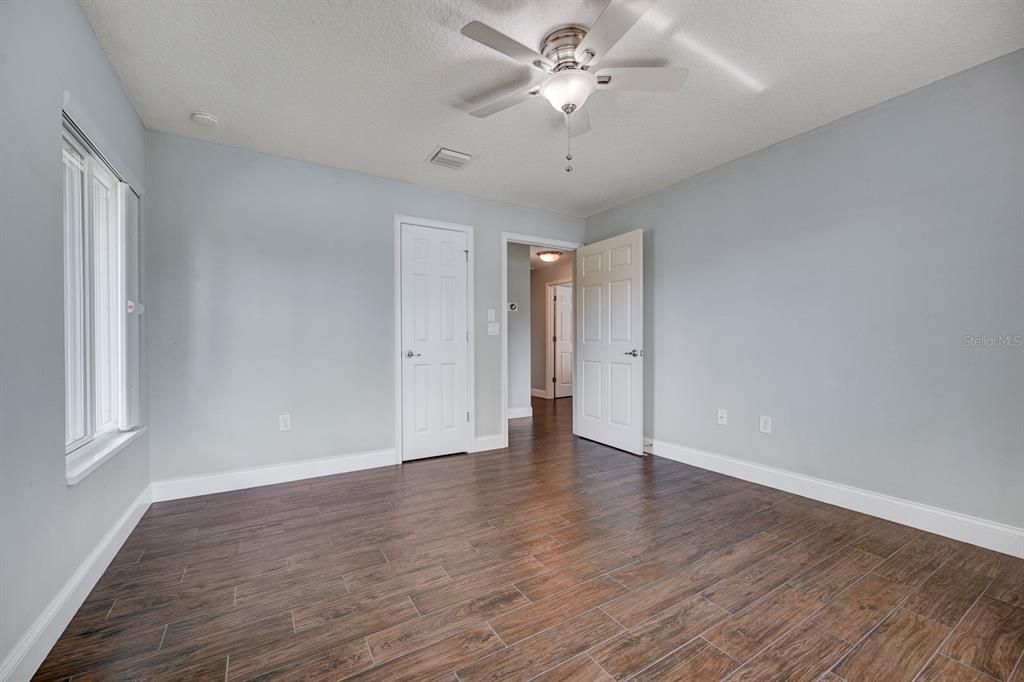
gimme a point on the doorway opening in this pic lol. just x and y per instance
(538, 362)
(540, 326)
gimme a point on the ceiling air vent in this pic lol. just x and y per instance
(449, 158)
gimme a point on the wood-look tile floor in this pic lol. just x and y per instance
(557, 559)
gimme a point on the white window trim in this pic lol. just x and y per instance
(85, 317)
(88, 453)
(87, 458)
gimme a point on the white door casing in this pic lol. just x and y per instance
(609, 392)
(563, 343)
(435, 341)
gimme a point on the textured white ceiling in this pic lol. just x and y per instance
(377, 85)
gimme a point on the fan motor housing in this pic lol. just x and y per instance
(560, 46)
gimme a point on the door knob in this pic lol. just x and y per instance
(635, 353)
(410, 354)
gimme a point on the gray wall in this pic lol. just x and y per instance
(829, 282)
(46, 528)
(519, 326)
(539, 279)
(272, 290)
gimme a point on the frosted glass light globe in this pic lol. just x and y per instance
(568, 90)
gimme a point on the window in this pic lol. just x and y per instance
(94, 295)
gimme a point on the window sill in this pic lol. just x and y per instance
(89, 458)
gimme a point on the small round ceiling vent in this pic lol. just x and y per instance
(203, 119)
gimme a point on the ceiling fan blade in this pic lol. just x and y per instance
(617, 18)
(485, 35)
(650, 78)
(509, 100)
(579, 123)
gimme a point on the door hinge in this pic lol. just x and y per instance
(467, 336)
(466, 251)
(554, 380)
(554, 338)
(467, 416)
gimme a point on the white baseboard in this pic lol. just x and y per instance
(495, 441)
(190, 486)
(519, 412)
(982, 532)
(539, 393)
(26, 656)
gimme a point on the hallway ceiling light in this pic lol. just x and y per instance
(549, 256)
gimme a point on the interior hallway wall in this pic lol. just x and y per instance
(539, 279)
(519, 327)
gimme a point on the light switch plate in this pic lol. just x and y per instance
(284, 422)
(765, 424)
(723, 416)
(493, 329)
(491, 315)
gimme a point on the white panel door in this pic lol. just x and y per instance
(563, 341)
(435, 389)
(610, 332)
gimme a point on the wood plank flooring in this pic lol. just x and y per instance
(557, 559)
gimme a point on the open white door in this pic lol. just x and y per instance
(609, 405)
(562, 340)
(435, 388)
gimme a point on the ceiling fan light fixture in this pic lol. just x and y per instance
(569, 89)
(549, 256)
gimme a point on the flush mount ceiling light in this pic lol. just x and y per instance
(203, 119)
(569, 57)
(549, 256)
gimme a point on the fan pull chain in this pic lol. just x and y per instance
(568, 144)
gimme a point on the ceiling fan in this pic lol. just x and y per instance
(569, 57)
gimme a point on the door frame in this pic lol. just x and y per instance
(529, 240)
(549, 329)
(471, 343)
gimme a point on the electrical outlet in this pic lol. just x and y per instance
(765, 424)
(723, 416)
(284, 422)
